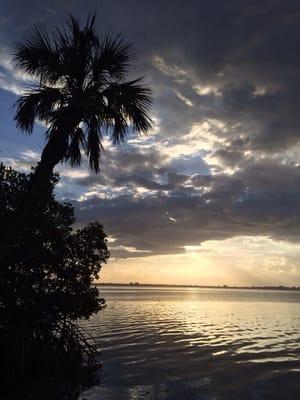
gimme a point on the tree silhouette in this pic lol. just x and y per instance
(82, 94)
(46, 286)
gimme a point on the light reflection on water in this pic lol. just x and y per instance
(166, 343)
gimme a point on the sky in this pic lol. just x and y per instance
(212, 194)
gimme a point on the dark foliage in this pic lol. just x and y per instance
(45, 287)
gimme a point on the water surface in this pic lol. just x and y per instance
(197, 344)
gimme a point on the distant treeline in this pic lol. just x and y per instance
(135, 284)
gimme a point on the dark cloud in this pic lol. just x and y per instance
(241, 47)
(228, 68)
(262, 199)
(230, 157)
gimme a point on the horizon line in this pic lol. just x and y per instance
(138, 284)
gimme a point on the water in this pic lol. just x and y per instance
(197, 344)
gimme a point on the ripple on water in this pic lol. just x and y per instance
(199, 344)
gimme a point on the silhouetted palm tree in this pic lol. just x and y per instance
(81, 94)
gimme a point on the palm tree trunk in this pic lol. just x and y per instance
(37, 193)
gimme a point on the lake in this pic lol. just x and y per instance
(197, 344)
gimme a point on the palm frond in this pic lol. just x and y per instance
(113, 59)
(132, 101)
(94, 145)
(39, 56)
(77, 46)
(115, 123)
(36, 104)
(77, 142)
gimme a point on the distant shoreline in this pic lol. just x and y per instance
(137, 284)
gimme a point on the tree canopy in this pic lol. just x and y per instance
(46, 284)
(51, 267)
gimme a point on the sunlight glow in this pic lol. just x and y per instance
(242, 260)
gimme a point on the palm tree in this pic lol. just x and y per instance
(82, 94)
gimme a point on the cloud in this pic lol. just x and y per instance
(260, 199)
(223, 158)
